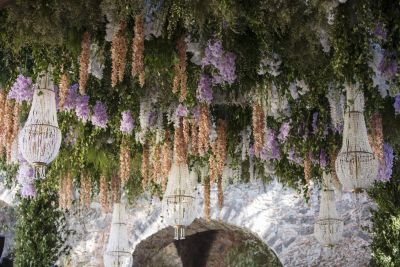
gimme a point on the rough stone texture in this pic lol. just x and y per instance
(207, 243)
(278, 215)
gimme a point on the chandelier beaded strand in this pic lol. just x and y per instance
(40, 138)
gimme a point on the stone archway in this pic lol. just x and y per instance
(207, 243)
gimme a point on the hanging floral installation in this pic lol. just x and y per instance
(103, 194)
(240, 91)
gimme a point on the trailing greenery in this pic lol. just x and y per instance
(41, 231)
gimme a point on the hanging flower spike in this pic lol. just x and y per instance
(180, 78)
(207, 192)
(84, 62)
(2, 119)
(284, 131)
(71, 97)
(377, 136)
(258, 120)
(65, 191)
(21, 90)
(8, 127)
(99, 117)
(118, 55)
(64, 89)
(156, 164)
(82, 109)
(204, 92)
(14, 131)
(28, 190)
(204, 129)
(86, 188)
(396, 104)
(220, 158)
(385, 168)
(124, 162)
(145, 166)
(127, 122)
(180, 150)
(307, 168)
(138, 50)
(194, 138)
(166, 160)
(104, 194)
(116, 188)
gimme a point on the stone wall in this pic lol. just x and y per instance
(278, 215)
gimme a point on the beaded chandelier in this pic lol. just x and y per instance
(40, 139)
(117, 252)
(179, 199)
(356, 165)
(328, 227)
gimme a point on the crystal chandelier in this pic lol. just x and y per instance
(117, 252)
(179, 199)
(328, 227)
(356, 165)
(40, 139)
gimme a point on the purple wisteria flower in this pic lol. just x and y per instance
(181, 111)
(82, 109)
(292, 156)
(26, 174)
(284, 131)
(22, 89)
(28, 190)
(385, 170)
(380, 31)
(214, 55)
(323, 158)
(251, 151)
(271, 149)
(388, 66)
(314, 122)
(70, 100)
(99, 117)
(127, 122)
(204, 91)
(396, 104)
(196, 112)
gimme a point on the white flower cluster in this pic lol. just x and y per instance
(96, 61)
(379, 79)
(336, 102)
(271, 65)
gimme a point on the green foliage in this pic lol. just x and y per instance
(386, 221)
(41, 230)
(252, 253)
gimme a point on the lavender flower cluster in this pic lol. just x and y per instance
(127, 122)
(25, 178)
(396, 104)
(70, 100)
(223, 61)
(271, 149)
(385, 170)
(284, 131)
(82, 109)
(204, 90)
(99, 117)
(22, 89)
(388, 66)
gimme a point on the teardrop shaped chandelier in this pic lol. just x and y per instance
(40, 138)
(179, 199)
(328, 228)
(117, 253)
(356, 165)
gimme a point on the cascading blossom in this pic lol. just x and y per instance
(271, 149)
(204, 90)
(70, 99)
(25, 178)
(284, 131)
(388, 66)
(396, 104)
(127, 122)
(385, 168)
(28, 190)
(323, 158)
(82, 109)
(21, 90)
(99, 117)
(214, 55)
